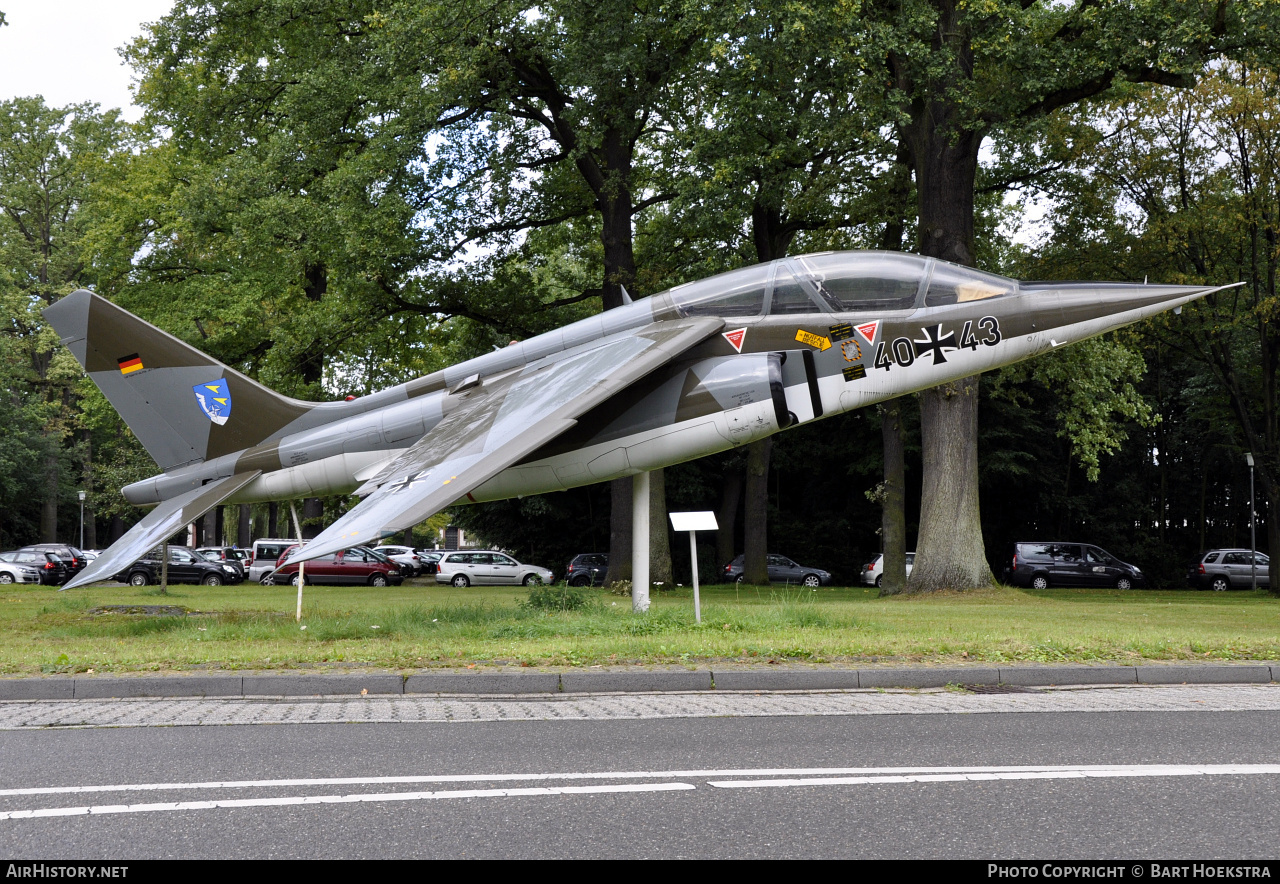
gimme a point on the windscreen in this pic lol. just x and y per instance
(866, 280)
(736, 293)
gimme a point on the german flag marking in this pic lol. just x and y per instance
(130, 364)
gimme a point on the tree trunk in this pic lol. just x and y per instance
(210, 528)
(244, 536)
(727, 518)
(49, 507)
(117, 529)
(312, 517)
(89, 540)
(893, 518)
(617, 238)
(950, 553)
(1270, 497)
(620, 529)
(273, 519)
(660, 569)
(755, 517)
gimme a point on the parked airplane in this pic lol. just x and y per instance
(697, 369)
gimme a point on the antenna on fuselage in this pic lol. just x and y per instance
(626, 299)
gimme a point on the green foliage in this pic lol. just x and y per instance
(1095, 384)
(50, 159)
(558, 597)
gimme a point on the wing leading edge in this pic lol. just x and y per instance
(500, 422)
(164, 521)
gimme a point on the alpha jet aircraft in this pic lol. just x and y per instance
(697, 369)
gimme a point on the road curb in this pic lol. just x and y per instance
(590, 681)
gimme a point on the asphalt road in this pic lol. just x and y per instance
(698, 811)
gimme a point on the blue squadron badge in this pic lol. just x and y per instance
(215, 400)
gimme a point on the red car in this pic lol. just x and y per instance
(357, 565)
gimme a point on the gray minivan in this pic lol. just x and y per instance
(1041, 565)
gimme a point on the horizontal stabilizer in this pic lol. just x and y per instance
(164, 521)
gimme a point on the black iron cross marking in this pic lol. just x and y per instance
(409, 481)
(935, 342)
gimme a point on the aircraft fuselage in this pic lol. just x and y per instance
(764, 373)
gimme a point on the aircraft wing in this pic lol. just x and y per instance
(164, 521)
(495, 424)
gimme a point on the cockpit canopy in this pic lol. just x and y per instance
(838, 282)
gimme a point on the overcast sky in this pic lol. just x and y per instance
(66, 50)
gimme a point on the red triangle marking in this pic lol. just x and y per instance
(735, 338)
(868, 330)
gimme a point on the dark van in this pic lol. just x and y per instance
(1040, 565)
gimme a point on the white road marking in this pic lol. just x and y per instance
(1047, 773)
(804, 776)
(339, 799)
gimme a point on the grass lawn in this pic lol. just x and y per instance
(422, 625)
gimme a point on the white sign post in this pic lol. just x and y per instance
(302, 579)
(693, 523)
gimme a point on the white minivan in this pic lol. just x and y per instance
(265, 554)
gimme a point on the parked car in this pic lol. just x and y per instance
(226, 555)
(1040, 565)
(52, 570)
(488, 567)
(781, 570)
(70, 556)
(873, 573)
(430, 559)
(1223, 569)
(185, 566)
(28, 571)
(264, 555)
(588, 569)
(358, 565)
(408, 560)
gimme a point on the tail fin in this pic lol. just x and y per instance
(183, 405)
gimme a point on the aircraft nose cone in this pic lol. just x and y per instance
(1081, 302)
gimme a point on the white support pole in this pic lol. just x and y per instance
(640, 543)
(302, 580)
(693, 553)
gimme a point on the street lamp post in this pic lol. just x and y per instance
(81, 495)
(1253, 537)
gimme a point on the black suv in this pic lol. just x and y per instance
(70, 556)
(184, 567)
(1223, 569)
(226, 555)
(1040, 565)
(588, 569)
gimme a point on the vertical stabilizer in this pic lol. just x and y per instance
(183, 405)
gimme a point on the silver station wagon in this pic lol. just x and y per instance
(487, 568)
